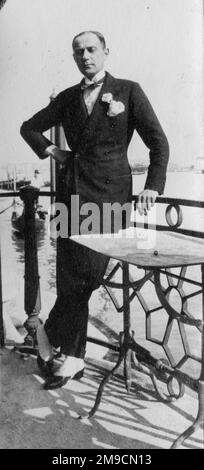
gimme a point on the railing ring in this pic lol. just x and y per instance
(179, 214)
(170, 387)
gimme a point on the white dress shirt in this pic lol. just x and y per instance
(91, 94)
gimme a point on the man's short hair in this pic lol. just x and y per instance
(99, 36)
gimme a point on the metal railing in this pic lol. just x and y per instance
(29, 196)
(159, 370)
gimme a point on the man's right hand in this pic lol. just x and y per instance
(146, 200)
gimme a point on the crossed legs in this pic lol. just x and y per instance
(79, 272)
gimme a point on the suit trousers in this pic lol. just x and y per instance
(79, 272)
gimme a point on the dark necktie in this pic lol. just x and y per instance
(91, 84)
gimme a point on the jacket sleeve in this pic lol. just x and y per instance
(148, 127)
(32, 130)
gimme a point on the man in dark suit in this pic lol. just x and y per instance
(99, 116)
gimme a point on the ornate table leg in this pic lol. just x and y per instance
(125, 346)
(126, 327)
(105, 380)
(199, 421)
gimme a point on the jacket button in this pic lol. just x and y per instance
(77, 155)
(108, 181)
(112, 125)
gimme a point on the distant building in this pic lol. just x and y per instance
(199, 166)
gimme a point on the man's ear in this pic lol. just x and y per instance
(106, 51)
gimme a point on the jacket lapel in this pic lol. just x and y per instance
(79, 113)
(99, 110)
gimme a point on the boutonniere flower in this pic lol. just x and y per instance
(107, 98)
(115, 107)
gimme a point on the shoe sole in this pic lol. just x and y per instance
(78, 375)
(64, 380)
(46, 370)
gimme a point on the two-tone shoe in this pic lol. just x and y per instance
(57, 381)
(46, 367)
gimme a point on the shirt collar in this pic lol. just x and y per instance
(99, 76)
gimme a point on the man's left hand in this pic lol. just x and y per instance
(146, 200)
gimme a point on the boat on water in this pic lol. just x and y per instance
(18, 220)
(139, 169)
(12, 185)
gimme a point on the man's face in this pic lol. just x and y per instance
(89, 54)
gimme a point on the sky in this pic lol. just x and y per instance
(157, 43)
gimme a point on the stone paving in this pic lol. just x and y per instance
(33, 418)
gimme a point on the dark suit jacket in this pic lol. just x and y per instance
(98, 168)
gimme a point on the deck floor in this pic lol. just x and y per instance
(32, 418)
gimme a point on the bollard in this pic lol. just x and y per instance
(32, 300)
(1, 308)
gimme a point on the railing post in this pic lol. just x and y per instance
(1, 308)
(58, 138)
(32, 300)
(52, 161)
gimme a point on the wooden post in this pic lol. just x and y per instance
(32, 301)
(52, 161)
(58, 138)
(1, 308)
